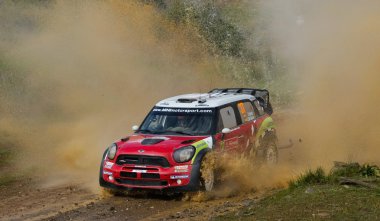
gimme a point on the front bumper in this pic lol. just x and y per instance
(180, 177)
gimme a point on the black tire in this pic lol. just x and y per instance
(208, 173)
(108, 188)
(102, 182)
(269, 147)
(271, 153)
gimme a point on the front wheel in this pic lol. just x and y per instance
(207, 176)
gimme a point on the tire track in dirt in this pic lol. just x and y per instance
(24, 201)
(71, 202)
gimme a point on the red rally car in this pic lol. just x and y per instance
(167, 151)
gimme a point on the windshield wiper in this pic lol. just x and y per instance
(180, 132)
(161, 132)
(146, 131)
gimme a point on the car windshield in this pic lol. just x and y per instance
(178, 121)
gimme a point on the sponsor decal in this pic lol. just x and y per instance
(141, 151)
(139, 171)
(108, 165)
(183, 110)
(208, 141)
(179, 177)
(141, 166)
(107, 173)
(202, 144)
(181, 171)
(243, 111)
(232, 142)
(181, 167)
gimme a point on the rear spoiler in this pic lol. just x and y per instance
(261, 95)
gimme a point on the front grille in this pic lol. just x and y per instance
(142, 182)
(128, 174)
(142, 160)
(150, 176)
(140, 168)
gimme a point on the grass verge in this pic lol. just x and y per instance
(314, 202)
(316, 195)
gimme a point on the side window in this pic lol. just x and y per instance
(259, 107)
(228, 117)
(246, 111)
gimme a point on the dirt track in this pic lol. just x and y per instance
(28, 202)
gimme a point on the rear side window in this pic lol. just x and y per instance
(227, 115)
(246, 111)
(259, 107)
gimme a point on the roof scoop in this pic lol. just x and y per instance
(186, 100)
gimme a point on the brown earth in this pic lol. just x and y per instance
(28, 201)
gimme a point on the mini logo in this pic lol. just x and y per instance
(141, 151)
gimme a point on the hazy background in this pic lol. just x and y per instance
(75, 76)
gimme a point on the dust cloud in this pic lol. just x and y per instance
(91, 70)
(246, 176)
(332, 51)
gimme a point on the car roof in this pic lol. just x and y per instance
(203, 100)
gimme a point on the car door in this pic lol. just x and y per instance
(227, 118)
(247, 128)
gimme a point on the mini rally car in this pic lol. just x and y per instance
(169, 148)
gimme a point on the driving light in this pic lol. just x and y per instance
(184, 154)
(112, 151)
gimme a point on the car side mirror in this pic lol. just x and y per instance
(135, 128)
(226, 130)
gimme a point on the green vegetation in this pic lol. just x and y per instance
(232, 32)
(318, 176)
(316, 195)
(314, 202)
(237, 36)
(309, 178)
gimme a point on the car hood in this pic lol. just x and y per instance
(154, 145)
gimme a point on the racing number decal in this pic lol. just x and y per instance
(243, 112)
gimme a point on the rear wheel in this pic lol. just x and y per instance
(271, 153)
(267, 152)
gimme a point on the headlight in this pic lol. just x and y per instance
(184, 154)
(112, 151)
